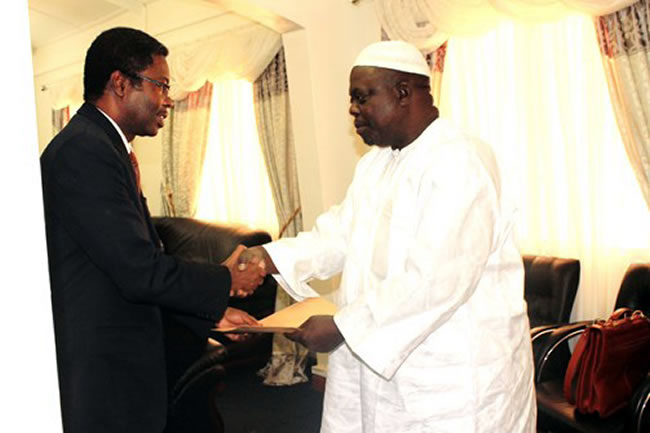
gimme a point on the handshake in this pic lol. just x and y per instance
(248, 267)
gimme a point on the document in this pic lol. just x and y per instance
(288, 319)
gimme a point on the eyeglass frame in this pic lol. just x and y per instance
(160, 84)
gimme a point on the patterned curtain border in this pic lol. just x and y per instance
(624, 32)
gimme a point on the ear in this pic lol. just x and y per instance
(403, 91)
(117, 83)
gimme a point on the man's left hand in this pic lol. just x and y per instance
(233, 318)
(318, 334)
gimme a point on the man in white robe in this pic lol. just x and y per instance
(431, 332)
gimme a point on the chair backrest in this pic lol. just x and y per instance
(635, 288)
(204, 241)
(550, 288)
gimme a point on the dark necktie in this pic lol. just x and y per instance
(136, 169)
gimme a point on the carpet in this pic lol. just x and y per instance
(249, 406)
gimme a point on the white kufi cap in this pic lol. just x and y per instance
(396, 55)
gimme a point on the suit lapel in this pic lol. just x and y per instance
(90, 111)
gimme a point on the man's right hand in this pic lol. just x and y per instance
(257, 255)
(244, 279)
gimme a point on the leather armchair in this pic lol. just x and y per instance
(196, 366)
(552, 353)
(207, 242)
(635, 288)
(550, 286)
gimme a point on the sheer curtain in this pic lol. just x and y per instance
(624, 37)
(428, 23)
(538, 95)
(60, 118)
(238, 53)
(183, 152)
(436, 61)
(289, 359)
(235, 183)
(273, 114)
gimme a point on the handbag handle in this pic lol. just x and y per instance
(620, 314)
(623, 313)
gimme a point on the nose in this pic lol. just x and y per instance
(168, 102)
(354, 109)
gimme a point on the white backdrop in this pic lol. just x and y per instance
(538, 94)
(29, 387)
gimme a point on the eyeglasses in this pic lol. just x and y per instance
(164, 86)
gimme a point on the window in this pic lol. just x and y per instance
(538, 95)
(235, 183)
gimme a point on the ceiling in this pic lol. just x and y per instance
(53, 19)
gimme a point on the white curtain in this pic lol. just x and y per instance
(428, 23)
(235, 183)
(538, 95)
(242, 53)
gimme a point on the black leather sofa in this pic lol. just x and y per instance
(196, 366)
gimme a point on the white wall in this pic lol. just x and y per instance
(28, 367)
(318, 56)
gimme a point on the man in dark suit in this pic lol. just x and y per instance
(111, 281)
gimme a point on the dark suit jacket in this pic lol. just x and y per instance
(110, 283)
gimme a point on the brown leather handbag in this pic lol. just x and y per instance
(609, 361)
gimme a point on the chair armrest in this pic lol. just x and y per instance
(638, 410)
(192, 402)
(551, 351)
(541, 330)
(210, 363)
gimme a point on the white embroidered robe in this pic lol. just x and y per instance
(431, 299)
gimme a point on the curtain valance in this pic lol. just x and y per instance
(243, 52)
(428, 23)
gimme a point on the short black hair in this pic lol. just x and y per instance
(118, 49)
